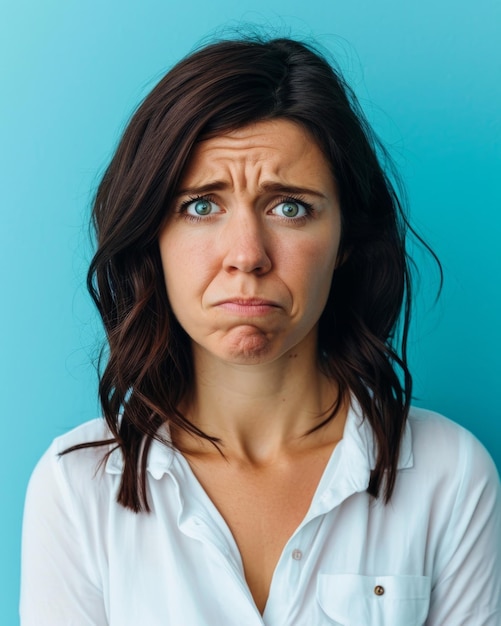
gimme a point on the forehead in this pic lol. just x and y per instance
(279, 148)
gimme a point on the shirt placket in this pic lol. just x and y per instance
(291, 575)
(200, 521)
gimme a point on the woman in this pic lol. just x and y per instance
(258, 462)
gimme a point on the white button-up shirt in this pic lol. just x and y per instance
(431, 556)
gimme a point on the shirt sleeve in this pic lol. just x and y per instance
(467, 581)
(58, 586)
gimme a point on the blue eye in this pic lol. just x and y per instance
(291, 209)
(200, 207)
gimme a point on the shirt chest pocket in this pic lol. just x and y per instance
(354, 600)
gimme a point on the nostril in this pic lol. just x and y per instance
(247, 258)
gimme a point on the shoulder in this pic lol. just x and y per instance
(452, 494)
(434, 434)
(88, 432)
(445, 451)
(66, 475)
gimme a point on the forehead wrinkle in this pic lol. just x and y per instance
(237, 162)
(259, 175)
(236, 172)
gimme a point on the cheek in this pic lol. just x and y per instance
(317, 270)
(186, 267)
(317, 258)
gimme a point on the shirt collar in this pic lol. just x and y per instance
(349, 468)
(358, 438)
(357, 450)
(159, 457)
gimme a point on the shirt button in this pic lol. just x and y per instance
(378, 590)
(297, 555)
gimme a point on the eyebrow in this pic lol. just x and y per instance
(266, 187)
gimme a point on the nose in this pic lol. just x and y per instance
(245, 244)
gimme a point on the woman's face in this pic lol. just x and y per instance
(251, 243)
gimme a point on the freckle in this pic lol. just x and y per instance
(293, 356)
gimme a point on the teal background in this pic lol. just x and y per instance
(428, 75)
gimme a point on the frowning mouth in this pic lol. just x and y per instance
(248, 306)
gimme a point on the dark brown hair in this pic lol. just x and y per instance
(148, 372)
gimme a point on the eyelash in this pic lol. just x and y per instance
(308, 207)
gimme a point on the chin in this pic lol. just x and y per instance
(250, 349)
(249, 345)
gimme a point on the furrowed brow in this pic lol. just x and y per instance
(265, 187)
(209, 187)
(284, 188)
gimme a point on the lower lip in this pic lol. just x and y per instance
(248, 310)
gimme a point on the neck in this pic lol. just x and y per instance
(259, 411)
